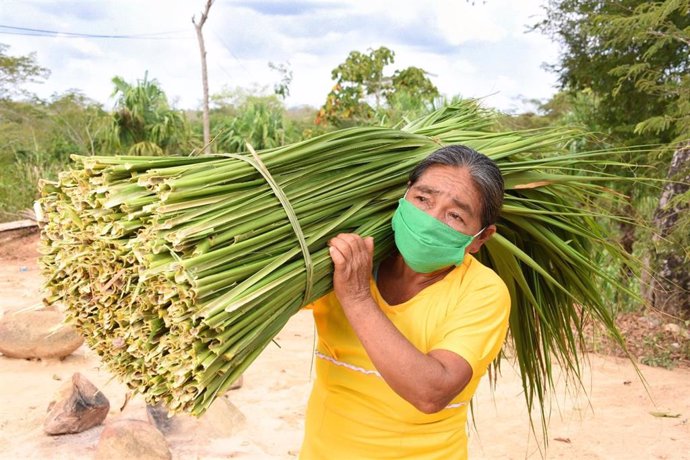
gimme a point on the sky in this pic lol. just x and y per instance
(481, 50)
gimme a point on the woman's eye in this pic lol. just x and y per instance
(421, 199)
(456, 217)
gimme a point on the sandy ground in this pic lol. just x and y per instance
(616, 418)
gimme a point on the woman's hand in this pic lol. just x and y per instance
(352, 258)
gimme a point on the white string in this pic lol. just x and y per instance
(347, 365)
(352, 367)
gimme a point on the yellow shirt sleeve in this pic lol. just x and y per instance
(476, 328)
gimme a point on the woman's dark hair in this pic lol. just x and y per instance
(483, 170)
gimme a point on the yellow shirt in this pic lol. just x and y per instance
(352, 412)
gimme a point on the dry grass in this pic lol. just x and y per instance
(653, 338)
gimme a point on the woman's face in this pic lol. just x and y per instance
(448, 194)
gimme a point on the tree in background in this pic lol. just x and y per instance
(282, 88)
(365, 72)
(412, 95)
(360, 82)
(252, 115)
(38, 136)
(412, 81)
(250, 118)
(633, 56)
(37, 139)
(661, 32)
(670, 290)
(143, 122)
(16, 71)
(80, 122)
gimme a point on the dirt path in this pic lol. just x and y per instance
(615, 421)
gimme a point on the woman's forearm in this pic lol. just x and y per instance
(424, 380)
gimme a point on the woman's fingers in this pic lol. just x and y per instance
(336, 255)
(352, 261)
(353, 248)
(369, 243)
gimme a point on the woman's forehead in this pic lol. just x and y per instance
(447, 179)
(451, 181)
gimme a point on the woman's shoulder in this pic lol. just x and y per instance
(476, 271)
(479, 277)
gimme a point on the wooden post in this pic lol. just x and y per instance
(204, 73)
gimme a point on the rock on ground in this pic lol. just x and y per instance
(222, 420)
(132, 439)
(159, 417)
(78, 406)
(37, 334)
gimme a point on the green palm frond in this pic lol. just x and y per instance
(179, 271)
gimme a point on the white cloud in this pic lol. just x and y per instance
(79, 47)
(461, 22)
(470, 50)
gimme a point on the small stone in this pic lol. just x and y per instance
(159, 417)
(78, 406)
(132, 439)
(37, 334)
(672, 328)
(650, 321)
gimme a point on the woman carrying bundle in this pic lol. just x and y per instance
(401, 353)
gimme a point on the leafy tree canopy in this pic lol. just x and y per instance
(634, 55)
(282, 88)
(143, 121)
(16, 71)
(244, 117)
(360, 81)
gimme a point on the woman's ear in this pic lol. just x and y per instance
(482, 238)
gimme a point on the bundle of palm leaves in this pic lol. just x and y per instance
(179, 271)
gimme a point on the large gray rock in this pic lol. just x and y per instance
(37, 334)
(132, 439)
(78, 406)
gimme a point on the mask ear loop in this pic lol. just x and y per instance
(479, 232)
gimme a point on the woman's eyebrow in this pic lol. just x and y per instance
(464, 206)
(427, 189)
(432, 191)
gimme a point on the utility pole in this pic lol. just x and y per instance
(204, 73)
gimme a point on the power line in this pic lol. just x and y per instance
(26, 31)
(229, 50)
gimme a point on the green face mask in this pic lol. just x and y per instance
(426, 243)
